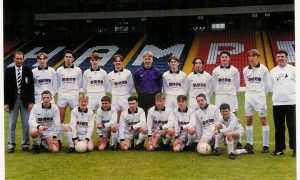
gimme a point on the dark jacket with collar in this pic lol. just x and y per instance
(11, 89)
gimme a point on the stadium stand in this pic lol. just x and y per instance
(162, 48)
(107, 45)
(10, 45)
(53, 46)
(283, 40)
(237, 43)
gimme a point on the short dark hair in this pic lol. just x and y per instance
(42, 54)
(225, 52)
(224, 106)
(133, 98)
(181, 98)
(196, 58)
(117, 56)
(282, 52)
(173, 57)
(95, 55)
(106, 98)
(201, 95)
(19, 53)
(68, 52)
(46, 92)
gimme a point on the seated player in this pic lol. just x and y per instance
(229, 126)
(106, 121)
(184, 128)
(206, 117)
(81, 125)
(159, 124)
(44, 124)
(132, 125)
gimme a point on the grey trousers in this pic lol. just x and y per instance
(13, 116)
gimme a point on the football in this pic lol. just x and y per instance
(81, 147)
(204, 149)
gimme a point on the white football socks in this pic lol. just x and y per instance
(265, 135)
(249, 131)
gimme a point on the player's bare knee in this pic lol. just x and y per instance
(34, 133)
(191, 131)
(177, 148)
(54, 149)
(67, 128)
(263, 121)
(218, 125)
(229, 136)
(113, 128)
(150, 147)
(249, 120)
(144, 130)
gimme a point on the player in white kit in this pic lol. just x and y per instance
(226, 82)
(81, 125)
(132, 125)
(174, 82)
(199, 82)
(94, 82)
(159, 125)
(69, 81)
(230, 127)
(185, 131)
(257, 79)
(44, 78)
(106, 122)
(44, 122)
(121, 85)
(206, 117)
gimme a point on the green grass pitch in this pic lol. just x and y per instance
(152, 165)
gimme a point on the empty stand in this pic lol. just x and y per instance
(283, 40)
(162, 48)
(237, 43)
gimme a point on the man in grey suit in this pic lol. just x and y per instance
(18, 95)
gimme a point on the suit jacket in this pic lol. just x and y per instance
(11, 89)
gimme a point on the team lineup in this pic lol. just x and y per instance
(172, 110)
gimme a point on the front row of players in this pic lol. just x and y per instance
(200, 129)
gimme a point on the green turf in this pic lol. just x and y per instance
(152, 165)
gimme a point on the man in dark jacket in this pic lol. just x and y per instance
(18, 95)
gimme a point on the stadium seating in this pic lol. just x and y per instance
(106, 45)
(237, 43)
(162, 48)
(9, 45)
(283, 40)
(54, 47)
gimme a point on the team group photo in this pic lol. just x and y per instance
(148, 95)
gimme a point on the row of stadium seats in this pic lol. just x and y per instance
(210, 45)
(237, 43)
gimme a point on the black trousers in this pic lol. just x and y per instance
(146, 101)
(282, 114)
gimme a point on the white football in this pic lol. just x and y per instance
(81, 147)
(204, 149)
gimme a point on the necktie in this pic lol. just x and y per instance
(19, 78)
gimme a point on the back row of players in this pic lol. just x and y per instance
(147, 81)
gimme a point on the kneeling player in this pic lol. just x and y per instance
(81, 125)
(206, 117)
(229, 126)
(44, 124)
(184, 128)
(132, 125)
(159, 124)
(106, 120)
